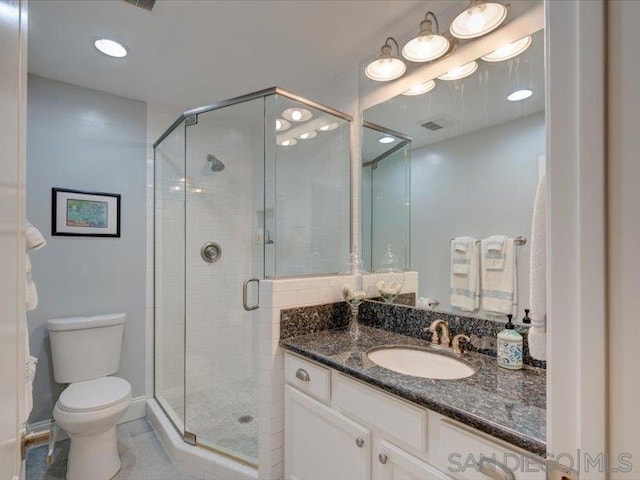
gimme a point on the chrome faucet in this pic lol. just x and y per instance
(443, 339)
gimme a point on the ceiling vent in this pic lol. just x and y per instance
(438, 122)
(146, 4)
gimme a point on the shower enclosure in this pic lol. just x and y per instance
(245, 189)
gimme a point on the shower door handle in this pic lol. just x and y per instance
(245, 294)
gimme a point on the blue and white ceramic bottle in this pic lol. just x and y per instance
(510, 347)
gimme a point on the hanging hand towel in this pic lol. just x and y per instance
(538, 274)
(493, 252)
(500, 287)
(31, 295)
(465, 278)
(35, 240)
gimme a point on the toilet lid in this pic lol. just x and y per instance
(94, 394)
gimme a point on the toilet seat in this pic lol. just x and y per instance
(96, 394)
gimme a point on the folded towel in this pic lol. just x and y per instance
(493, 252)
(35, 240)
(461, 243)
(500, 287)
(31, 293)
(538, 274)
(465, 278)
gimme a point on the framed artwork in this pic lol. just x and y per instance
(75, 213)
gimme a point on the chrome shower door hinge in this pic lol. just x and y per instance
(191, 120)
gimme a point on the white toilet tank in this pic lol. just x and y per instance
(84, 348)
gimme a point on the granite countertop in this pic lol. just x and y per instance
(510, 405)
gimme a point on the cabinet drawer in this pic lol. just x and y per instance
(405, 423)
(463, 453)
(308, 377)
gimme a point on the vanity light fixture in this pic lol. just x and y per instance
(480, 18)
(421, 88)
(386, 67)
(387, 139)
(460, 72)
(427, 45)
(329, 126)
(508, 51)
(307, 135)
(519, 95)
(110, 48)
(297, 114)
(288, 143)
(282, 125)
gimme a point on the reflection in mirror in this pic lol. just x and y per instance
(476, 156)
(386, 176)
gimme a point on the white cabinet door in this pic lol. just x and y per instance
(321, 443)
(393, 463)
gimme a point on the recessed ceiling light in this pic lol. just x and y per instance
(308, 135)
(110, 48)
(288, 143)
(297, 114)
(282, 125)
(508, 51)
(480, 18)
(421, 88)
(519, 95)
(387, 139)
(330, 126)
(460, 72)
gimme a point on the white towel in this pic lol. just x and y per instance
(461, 243)
(460, 260)
(500, 287)
(465, 285)
(538, 274)
(31, 295)
(494, 252)
(34, 238)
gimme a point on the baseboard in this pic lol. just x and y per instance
(136, 410)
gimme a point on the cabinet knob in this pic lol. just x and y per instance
(301, 374)
(382, 458)
(360, 442)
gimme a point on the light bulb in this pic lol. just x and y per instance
(425, 48)
(421, 88)
(289, 142)
(508, 51)
(297, 114)
(385, 69)
(282, 125)
(308, 135)
(480, 18)
(460, 72)
(387, 139)
(329, 126)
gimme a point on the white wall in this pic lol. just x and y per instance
(479, 184)
(623, 235)
(89, 140)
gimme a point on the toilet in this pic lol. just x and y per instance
(85, 353)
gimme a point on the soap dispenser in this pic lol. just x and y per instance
(510, 347)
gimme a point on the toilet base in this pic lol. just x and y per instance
(93, 457)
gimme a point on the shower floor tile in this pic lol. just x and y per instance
(222, 416)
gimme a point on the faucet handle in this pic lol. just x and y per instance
(455, 344)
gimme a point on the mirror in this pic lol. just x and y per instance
(466, 157)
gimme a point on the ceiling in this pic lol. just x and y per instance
(476, 102)
(186, 53)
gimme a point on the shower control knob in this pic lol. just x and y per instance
(360, 442)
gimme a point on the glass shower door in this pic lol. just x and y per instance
(224, 185)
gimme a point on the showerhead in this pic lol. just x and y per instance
(216, 165)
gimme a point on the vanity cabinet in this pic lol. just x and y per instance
(337, 427)
(322, 443)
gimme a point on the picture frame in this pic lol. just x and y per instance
(78, 213)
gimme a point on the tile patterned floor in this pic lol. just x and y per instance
(142, 455)
(214, 414)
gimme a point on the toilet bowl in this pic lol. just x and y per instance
(88, 411)
(86, 353)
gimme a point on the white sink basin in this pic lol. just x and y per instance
(420, 363)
